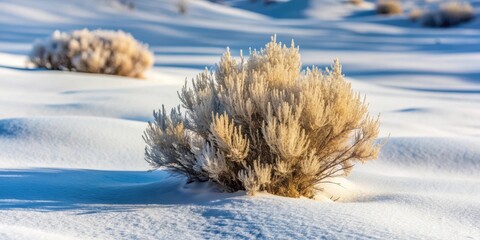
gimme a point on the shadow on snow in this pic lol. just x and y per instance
(90, 191)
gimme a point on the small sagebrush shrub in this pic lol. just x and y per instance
(259, 124)
(266, 2)
(415, 14)
(355, 2)
(389, 7)
(449, 14)
(130, 4)
(182, 7)
(99, 51)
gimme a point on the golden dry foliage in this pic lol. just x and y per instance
(389, 7)
(355, 2)
(260, 124)
(415, 14)
(99, 51)
(449, 14)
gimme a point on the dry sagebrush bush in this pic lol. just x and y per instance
(355, 2)
(182, 6)
(99, 51)
(259, 124)
(389, 7)
(449, 14)
(415, 14)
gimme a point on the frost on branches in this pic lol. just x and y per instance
(99, 51)
(260, 124)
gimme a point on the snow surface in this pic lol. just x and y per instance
(71, 152)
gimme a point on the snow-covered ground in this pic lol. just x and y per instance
(71, 152)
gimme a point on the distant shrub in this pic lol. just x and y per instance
(266, 2)
(389, 7)
(130, 4)
(99, 51)
(355, 2)
(182, 7)
(415, 14)
(259, 124)
(449, 14)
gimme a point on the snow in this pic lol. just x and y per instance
(71, 148)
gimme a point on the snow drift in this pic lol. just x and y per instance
(71, 153)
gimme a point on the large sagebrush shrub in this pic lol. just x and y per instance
(260, 124)
(389, 7)
(98, 51)
(449, 14)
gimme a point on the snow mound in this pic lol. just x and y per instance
(425, 83)
(126, 204)
(449, 155)
(8, 232)
(72, 142)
